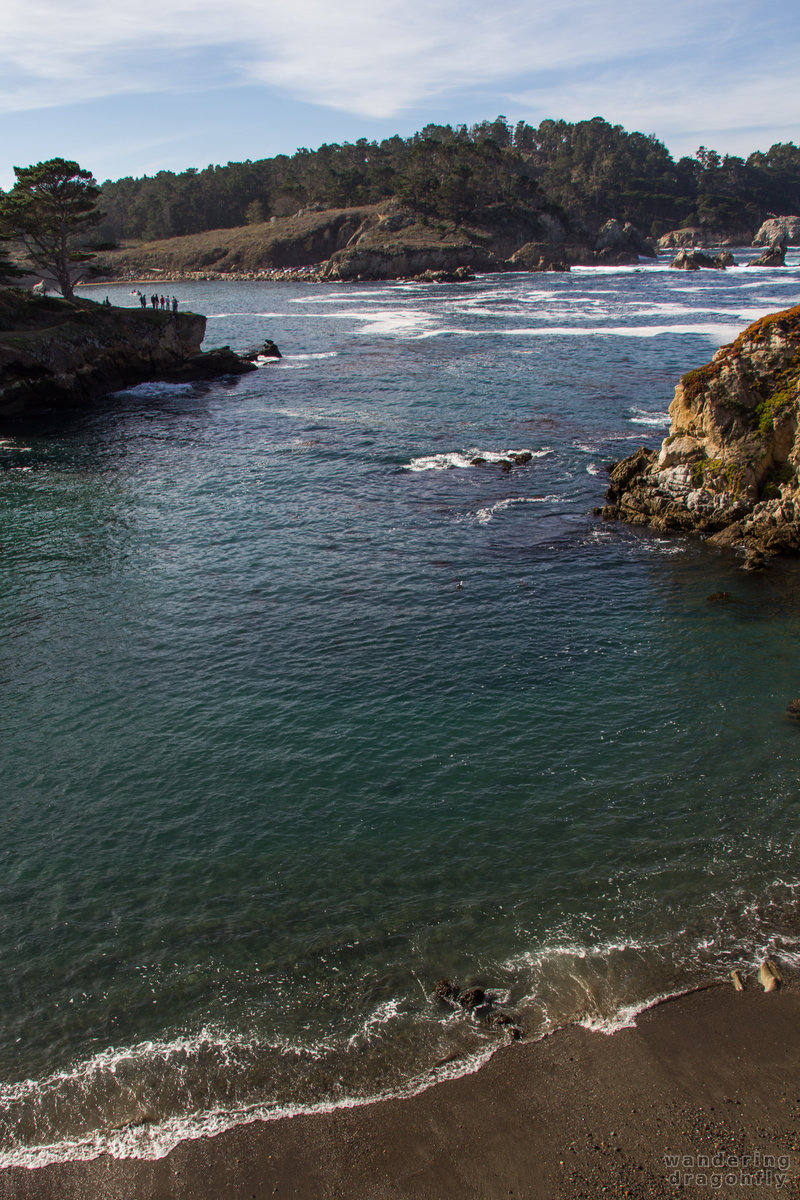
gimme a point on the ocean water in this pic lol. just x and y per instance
(310, 699)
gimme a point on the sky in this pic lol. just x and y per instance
(146, 85)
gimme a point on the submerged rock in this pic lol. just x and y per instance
(472, 998)
(445, 989)
(730, 466)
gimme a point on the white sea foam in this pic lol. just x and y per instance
(642, 417)
(154, 1140)
(718, 333)
(593, 469)
(159, 389)
(463, 459)
(484, 515)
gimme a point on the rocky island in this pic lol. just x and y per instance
(57, 354)
(729, 467)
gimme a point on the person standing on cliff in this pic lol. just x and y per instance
(174, 304)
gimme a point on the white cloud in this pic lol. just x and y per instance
(377, 58)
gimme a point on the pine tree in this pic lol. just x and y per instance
(51, 209)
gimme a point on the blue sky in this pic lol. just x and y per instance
(136, 87)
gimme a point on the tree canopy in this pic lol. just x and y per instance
(591, 169)
(51, 210)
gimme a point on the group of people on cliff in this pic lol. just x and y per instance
(165, 303)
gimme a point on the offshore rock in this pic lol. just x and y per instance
(460, 275)
(540, 256)
(773, 256)
(730, 466)
(445, 989)
(396, 260)
(704, 237)
(785, 230)
(615, 240)
(694, 260)
(57, 354)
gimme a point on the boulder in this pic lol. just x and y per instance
(695, 260)
(539, 256)
(622, 243)
(445, 989)
(459, 275)
(773, 256)
(779, 229)
(472, 998)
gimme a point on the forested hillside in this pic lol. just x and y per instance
(591, 169)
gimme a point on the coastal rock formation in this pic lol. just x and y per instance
(730, 467)
(701, 236)
(695, 260)
(785, 230)
(60, 354)
(773, 256)
(400, 261)
(460, 275)
(618, 243)
(540, 256)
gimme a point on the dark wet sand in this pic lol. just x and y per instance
(578, 1116)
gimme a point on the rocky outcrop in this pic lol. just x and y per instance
(730, 467)
(622, 243)
(396, 260)
(460, 275)
(542, 256)
(58, 354)
(784, 230)
(773, 256)
(702, 237)
(696, 260)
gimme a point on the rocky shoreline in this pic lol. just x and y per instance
(58, 354)
(730, 467)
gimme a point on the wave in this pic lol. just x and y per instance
(156, 388)
(641, 416)
(484, 515)
(719, 333)
(463, 459)
(601, 984)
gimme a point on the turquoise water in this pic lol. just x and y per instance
(304, 710)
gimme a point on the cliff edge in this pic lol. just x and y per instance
(58, 354)
(730, 467)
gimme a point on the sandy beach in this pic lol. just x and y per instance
(702, 1097)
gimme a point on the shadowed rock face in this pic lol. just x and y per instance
(730, 466)
(61, 354)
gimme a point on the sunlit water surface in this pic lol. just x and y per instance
(303, 710)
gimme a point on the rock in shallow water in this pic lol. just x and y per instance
(729, 466)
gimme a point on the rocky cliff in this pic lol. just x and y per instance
(730, 467)
(59, 354)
